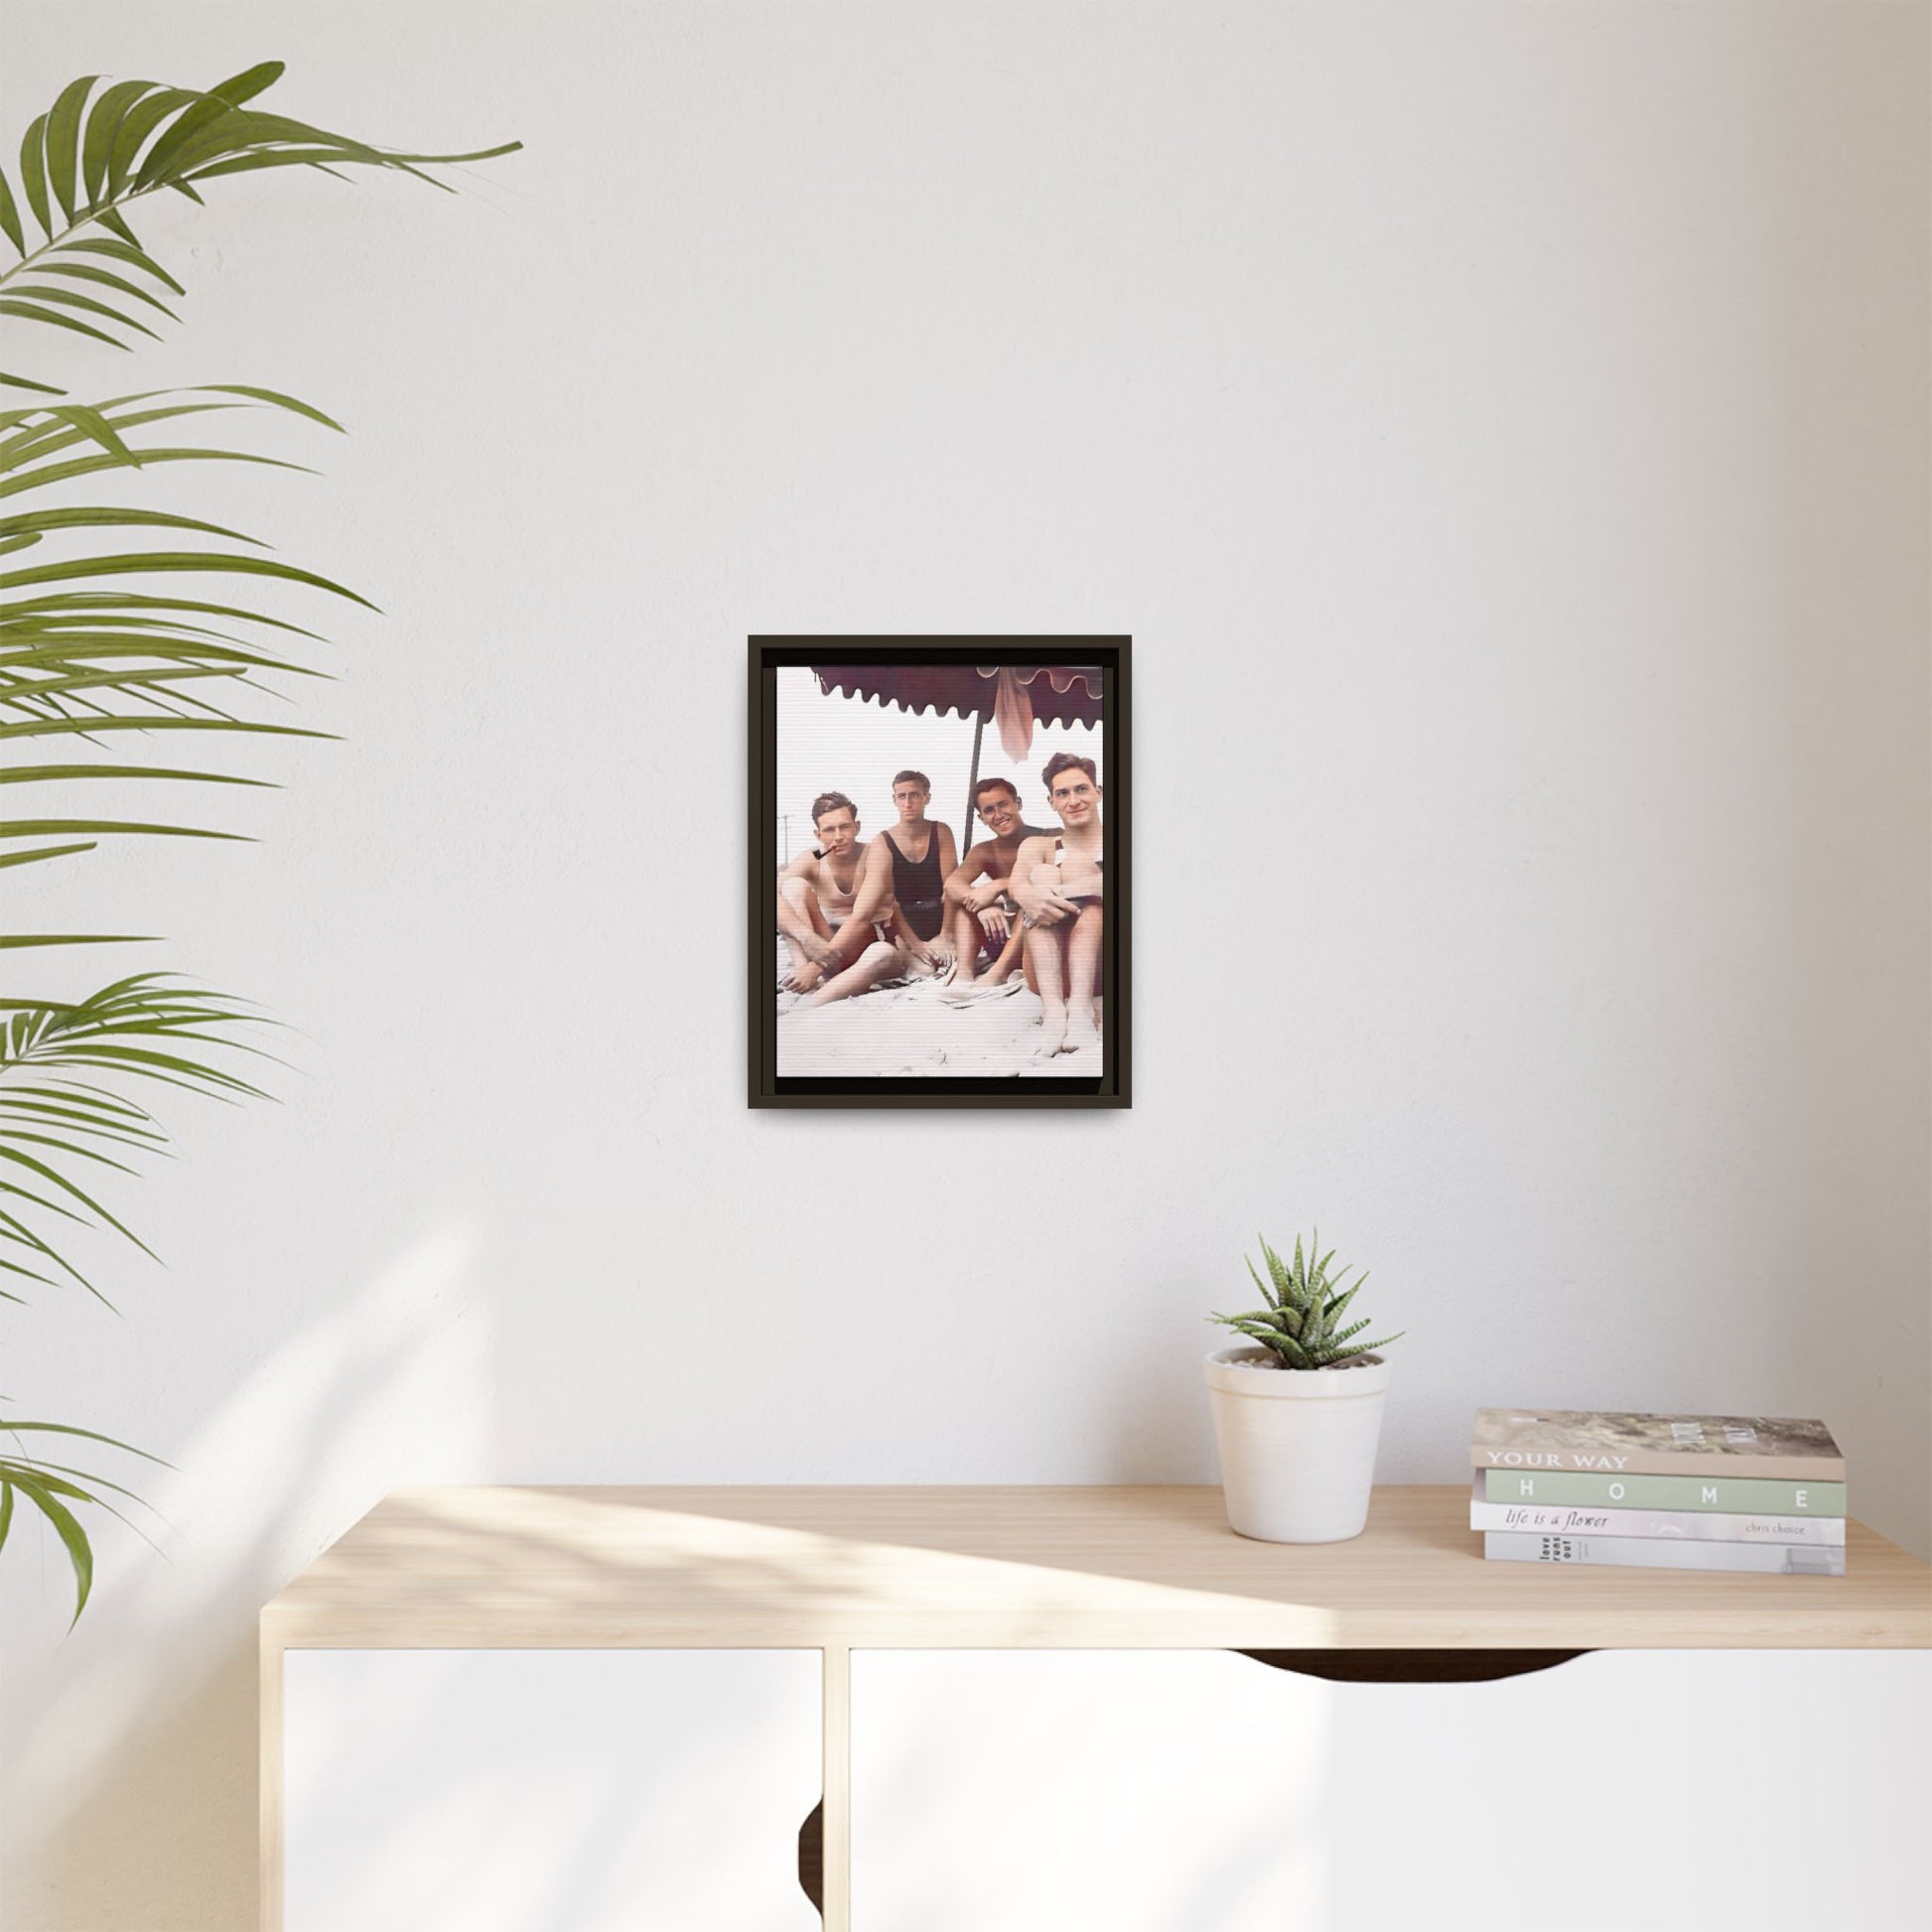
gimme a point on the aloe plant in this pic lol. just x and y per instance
(103, 647)
(1301, 1323)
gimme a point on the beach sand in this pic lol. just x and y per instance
(896, 1031)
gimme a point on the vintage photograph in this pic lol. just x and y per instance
(937, 888)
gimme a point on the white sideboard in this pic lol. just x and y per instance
(1162, 1791)
(581, 1790)
(571, 1709)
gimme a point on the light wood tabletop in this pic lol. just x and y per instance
(1045, 1567)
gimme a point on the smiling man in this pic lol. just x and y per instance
(1056, 883)
(984, 918)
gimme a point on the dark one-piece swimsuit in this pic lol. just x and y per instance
(917, 887)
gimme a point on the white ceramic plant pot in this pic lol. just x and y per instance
(1298, 1446)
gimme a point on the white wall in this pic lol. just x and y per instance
(1502, 431)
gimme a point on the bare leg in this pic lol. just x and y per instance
(1012, 952)
(1046, 969)
(806, 931)
(1047, 879)
(1082, 961)
(1004, 968)
(966, 945)
(874, 964)
(802, 919)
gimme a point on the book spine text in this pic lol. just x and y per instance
(1737, 1495)
(1642, 1552)
(1688, 1525)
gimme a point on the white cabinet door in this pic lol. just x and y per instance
(539, 1790)
(1201, 1791)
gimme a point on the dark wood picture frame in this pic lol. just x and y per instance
(1111, 1087)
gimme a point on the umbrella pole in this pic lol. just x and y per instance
(966, 831)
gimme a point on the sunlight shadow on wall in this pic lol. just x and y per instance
(149, 1714)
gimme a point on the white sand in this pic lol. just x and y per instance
(910, 1030)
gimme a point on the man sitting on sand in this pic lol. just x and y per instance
(920, 854)
(897, 914)
(818, 888)
(982, 915)
(1056, 883)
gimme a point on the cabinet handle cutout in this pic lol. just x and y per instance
(811, 1858)
(1412, 1666)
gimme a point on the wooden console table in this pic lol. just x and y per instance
(836, 1571)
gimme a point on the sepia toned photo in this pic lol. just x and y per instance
(937, 888)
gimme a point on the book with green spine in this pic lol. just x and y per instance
(1748, 1495)
(1661, 1525)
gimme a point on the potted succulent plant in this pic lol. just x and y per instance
(1297, 1416)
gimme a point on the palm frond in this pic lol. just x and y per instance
(93, 155)
(83, 655)
(54, 1487)
(144, 1028)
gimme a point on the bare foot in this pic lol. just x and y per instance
(805, 978)
(957, 989)
(1081, 1031)
(1052, 1031)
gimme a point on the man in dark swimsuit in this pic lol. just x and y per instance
(900, 889)
(922, 859)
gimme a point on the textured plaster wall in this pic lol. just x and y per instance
(1504, 431)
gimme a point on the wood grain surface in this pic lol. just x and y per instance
(850, 1567)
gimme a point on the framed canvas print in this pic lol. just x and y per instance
(938, 878)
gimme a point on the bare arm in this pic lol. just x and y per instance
(874, 882)
(1039, 905)
(976, 864)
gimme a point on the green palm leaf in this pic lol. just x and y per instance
(39, 1489)
(105, 278)
(103, 121)
(32, 174)
(81, 656)
(143, 1026)
(81, 165)
(10, 223)
(75, 518)
(53, 1488)
(31, 312)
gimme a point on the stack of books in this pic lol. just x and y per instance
(1662, 1492)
